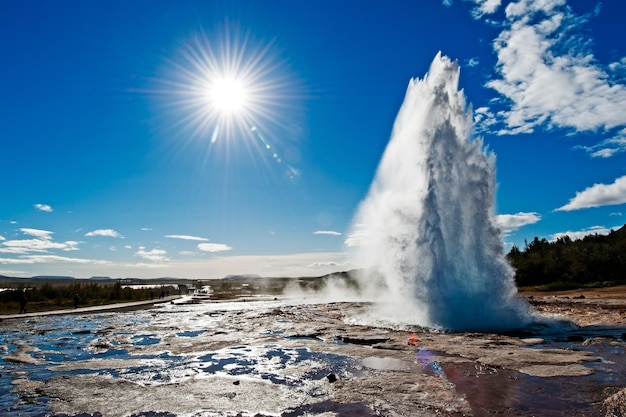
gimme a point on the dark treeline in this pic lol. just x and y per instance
(595, 260)
(49, 295)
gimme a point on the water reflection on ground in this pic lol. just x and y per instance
(285, 358)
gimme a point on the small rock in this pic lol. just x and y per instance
(531, 341)
(236, 383)
(615, 405)
(363, 340)
(331, 378)
(594, 341)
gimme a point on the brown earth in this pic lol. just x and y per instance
(586, 306)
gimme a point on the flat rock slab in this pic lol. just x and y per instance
(274, 358)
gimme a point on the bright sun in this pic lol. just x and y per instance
(228, 95)
(229, 86)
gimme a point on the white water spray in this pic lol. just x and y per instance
(428, 220)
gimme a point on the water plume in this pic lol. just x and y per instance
(429, 240)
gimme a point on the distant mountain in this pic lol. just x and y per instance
(99, 278)
(244, 276)
(53, 278)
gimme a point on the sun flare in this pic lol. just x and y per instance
(231, 94)
(228, 95)
(222, 86)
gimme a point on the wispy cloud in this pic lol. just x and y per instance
(213, 247)
(472, 62)
(598, 195)
(43, 207)
(25, 246)
(608, 147)
(575, 235)
(547, 74)
(510, 222)
(43, 259)
(187, 237)
(154, 255)
(357, 237)
(326, 232)
(42, 234)
(104, 232)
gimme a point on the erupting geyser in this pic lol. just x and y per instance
(428, 220)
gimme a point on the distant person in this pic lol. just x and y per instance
(76, 300)
(23, 301)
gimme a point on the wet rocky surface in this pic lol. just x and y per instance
(291, 358)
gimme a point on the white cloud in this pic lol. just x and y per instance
(484, 7)
(2, 237)
(71, 245)
(187, 237)
(43, 207)
(326, 232)
(357, 237)
(510, 222)
(484, 119)
(608, 147)
(36, 245)
(547, 74)
(104, 232)
(598, 195)
(213, 247)
(599, 230)
(292, 265)
(154, 255)
(41, 234)
(41, 244)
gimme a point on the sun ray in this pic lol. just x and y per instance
(231, 93)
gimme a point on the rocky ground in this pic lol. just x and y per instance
(289, 358)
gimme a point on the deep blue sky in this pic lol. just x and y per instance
(109, 167)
